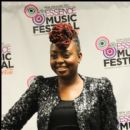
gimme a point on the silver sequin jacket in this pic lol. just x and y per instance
(95, 107)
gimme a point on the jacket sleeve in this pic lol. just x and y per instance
(22, 110)
(108, 110)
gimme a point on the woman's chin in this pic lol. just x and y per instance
(62, 74)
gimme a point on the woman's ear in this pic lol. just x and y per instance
(80, 57)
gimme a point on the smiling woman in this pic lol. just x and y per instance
(68, 101)
(65, 61)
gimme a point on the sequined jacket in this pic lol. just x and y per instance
(95, 107)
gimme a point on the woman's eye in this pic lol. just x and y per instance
(66, 55)
(54, 56)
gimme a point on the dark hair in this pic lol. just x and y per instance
(62, 34)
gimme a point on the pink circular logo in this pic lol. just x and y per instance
(31, 10)
(102, 43)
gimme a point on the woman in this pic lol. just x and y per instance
(68, 101)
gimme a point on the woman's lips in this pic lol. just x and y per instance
(61, 69)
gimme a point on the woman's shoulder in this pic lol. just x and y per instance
(40, 83)
(98, 82)
(44, 80)
(95, 79)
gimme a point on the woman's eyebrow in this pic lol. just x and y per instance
(54, 51)
(61, 51)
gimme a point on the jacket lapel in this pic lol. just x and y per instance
(83, 104)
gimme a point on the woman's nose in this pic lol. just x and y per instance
(60, 59)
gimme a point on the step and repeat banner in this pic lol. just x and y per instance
(104, 32)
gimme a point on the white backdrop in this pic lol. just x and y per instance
(25, 47)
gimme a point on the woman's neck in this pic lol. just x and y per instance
(70, 89)
(69, 81)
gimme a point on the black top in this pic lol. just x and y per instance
(63, 117)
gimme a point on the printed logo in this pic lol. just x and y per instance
(44, 18)
(38, 19)
(31, 10)
(102, 43)
(117, 54)
(124, 120)
(109, 52)
(6, 64)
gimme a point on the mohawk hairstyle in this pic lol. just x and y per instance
(62, 34)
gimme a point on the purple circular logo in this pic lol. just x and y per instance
(109, 52)
(39, 19)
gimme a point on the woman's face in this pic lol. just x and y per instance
(65, 62)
